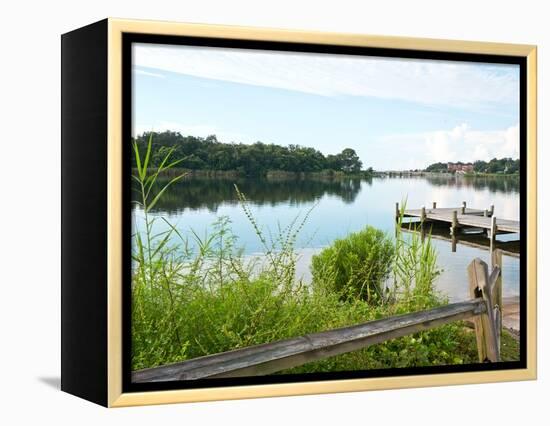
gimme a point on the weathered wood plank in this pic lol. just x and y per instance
(495, 282)
(493, 278)
(272, 357)
(493, 234)
(475, 292)
(485, 328)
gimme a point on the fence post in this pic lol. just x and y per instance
(485, 329)
(496, 262)
(493, 235)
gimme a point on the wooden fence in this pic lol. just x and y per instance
(484, 308)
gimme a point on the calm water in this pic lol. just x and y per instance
(341, 207)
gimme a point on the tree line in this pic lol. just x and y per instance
(252, 160)
(494, 166)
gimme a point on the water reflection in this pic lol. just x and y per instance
(502, 184)
(197, 193)
(491, 183)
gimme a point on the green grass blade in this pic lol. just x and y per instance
(147, 156)
(157, 197)
(138, 161)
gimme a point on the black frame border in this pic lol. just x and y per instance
(129, 38)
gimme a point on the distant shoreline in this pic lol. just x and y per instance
(326, 174)
(270, 174)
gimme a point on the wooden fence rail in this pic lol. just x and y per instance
(284, 354)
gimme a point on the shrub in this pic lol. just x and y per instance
(355, 267)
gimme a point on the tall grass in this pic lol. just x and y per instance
(198, 295)
(414, 268)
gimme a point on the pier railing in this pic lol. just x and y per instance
(484, 308)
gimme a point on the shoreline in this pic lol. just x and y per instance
(268, 175)
(511, 314)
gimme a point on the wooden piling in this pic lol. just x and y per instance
(397, 213)
(454, 241)
(454, 231)
(422, 224)
(492, 209)
(464, 207)
(434, 205)
(454, 223)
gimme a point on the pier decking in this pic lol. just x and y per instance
(466, 217)
(460, 220)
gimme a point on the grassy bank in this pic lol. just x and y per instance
(269, 174)
(189, 303)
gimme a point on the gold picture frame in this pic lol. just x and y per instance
(111, 32)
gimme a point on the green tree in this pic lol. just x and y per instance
(253, 160)
(350, 161)
(437, 167)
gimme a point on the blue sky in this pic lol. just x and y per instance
(396, 113)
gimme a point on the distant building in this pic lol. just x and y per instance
(460, 167)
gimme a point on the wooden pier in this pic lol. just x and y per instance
(460, 220)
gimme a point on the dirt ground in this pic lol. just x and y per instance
(510, 314)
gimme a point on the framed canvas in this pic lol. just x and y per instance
(255, 212)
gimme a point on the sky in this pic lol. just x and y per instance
(397, 114)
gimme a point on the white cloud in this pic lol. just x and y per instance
(461, 143)
(148, 73)
(466, 144)
(428, 82)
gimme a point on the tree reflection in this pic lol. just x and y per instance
(504, 184)
(201, 192)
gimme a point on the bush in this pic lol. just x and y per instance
(355, 267)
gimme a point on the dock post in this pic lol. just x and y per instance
(486, 213)
(454, 224)
(454, 230)
(434, 205)
(453, 243)
(397, 214)
(492, 209)
(422, 226)
(464, 207)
